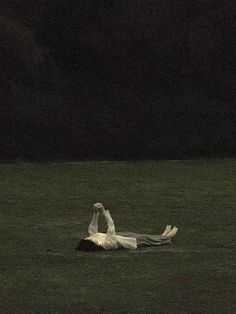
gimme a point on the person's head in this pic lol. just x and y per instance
(88, 246)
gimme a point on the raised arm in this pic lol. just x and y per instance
(107, 216)
(110, 223)
(93, 227)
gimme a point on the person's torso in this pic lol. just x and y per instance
(104, 240)
(109, 242)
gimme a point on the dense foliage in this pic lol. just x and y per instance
(116, 79)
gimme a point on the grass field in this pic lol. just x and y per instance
(46, 208)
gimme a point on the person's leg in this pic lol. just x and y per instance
(151, 240)
(146, 239)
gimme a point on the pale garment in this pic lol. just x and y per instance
(109, 240)
(126, 240)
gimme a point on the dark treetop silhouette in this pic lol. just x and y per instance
(117, 79)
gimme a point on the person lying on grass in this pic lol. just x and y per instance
(113, 240)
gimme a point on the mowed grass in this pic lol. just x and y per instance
(46, 208)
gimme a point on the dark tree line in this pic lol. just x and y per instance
(116, 79)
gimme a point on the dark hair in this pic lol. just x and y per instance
(88, 246)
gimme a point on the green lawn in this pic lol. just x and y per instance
(46, 208)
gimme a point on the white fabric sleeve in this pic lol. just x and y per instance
(93, 227)
(110, 223)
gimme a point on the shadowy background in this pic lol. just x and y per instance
(116, 79)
